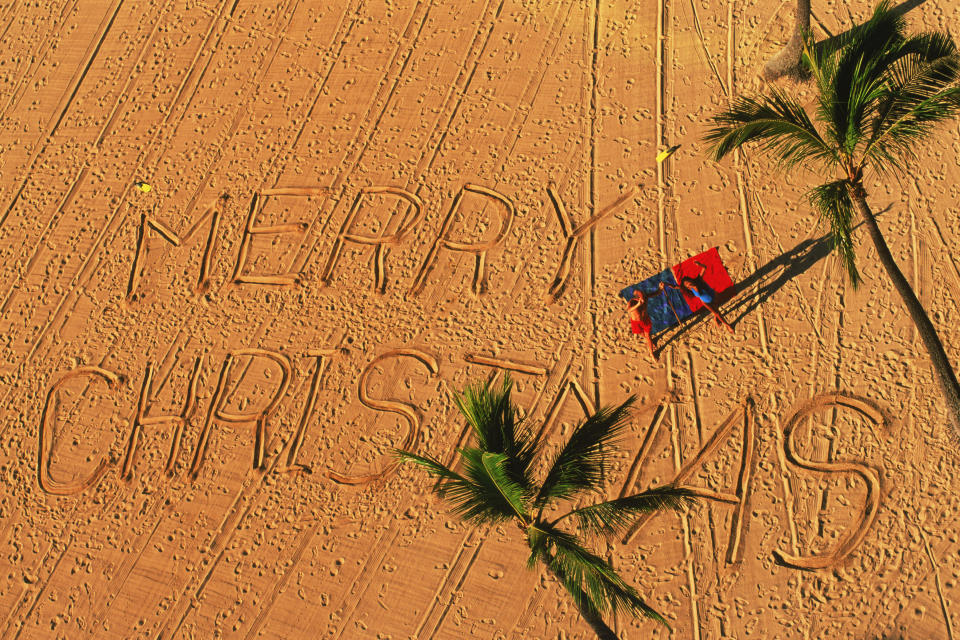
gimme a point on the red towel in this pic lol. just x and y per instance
(715, 276)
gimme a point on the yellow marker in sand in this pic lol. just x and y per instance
(143, 186)
(666, 153)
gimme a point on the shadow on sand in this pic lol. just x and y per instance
(756, 288)
(899, 10)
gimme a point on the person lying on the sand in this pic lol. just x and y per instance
(640, 319)
(697, 287)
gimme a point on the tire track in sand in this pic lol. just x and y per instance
(430, 614)
(118, 494)
(459, 568)
(233, 510)
(87, 266)
(40, 243)
(414, 29)
(436, 147)
(423, 167)
(667, 257)
(51, 128)
(36, 58)
(341, 35)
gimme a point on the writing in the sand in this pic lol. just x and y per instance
(260, 412)
(404, 212)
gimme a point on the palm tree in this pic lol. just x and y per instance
(788, 60)
(880, 93)
(498, 485)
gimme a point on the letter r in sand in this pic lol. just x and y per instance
(221, 396)
(479, 249)
(412, 214)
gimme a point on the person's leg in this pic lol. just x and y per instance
(653, 352)
(718, 317)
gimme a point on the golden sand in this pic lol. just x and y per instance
(201, 391)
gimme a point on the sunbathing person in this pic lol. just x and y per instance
(697, 287)
(640, 319)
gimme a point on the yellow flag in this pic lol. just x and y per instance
(666, 153)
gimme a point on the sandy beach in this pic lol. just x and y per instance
(355, 208)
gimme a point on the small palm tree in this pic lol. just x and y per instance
(879, 94)
(498, 485)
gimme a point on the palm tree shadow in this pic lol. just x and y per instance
(903, 7)
(900, 9)
(756, 288)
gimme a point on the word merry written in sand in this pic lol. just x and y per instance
(401, 220)
(144, 422)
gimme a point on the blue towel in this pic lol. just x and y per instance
(662, 316)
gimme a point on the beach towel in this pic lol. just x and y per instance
(671, 307)
(715, 277)
(666, 309)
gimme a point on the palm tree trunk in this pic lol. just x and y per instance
(925, 329)
(787, 62)
(589, 613)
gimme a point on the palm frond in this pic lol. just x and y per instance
(879, 93)
(895, 148)
(500, 497)
(487, 411)
(832, 202)
(435, 467)
(484, 494)
(616, 516)
(589, 579)
(919, 66)
(820, 59)
(776, 122)
(916, 96)
(580, 464)
(467, 498)
(858, 75)
(494, 418)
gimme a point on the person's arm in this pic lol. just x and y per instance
(703, 268)
(665, 285)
